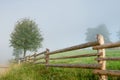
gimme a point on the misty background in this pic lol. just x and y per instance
(63, 22)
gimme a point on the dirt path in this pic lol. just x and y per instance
(3, 69)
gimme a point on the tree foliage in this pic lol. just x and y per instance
(101, 29)
(17, 53)
(118, 34)
(26, 36)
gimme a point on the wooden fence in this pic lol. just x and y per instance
(99, 68)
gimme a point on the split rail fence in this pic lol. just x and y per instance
(99, 68)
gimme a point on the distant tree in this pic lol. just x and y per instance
(26, 36)
(17, 53)
(118, 34)
(101, 29)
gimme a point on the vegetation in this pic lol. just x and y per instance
(17, 53)
(40, 72)
(26, 36)
(101, 29)
(118, 34)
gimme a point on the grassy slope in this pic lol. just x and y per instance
(39, 72)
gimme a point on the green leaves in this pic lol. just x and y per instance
(26, 36)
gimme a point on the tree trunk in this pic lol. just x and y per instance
(24, 54)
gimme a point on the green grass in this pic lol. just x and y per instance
(74, 60)
(40, 72)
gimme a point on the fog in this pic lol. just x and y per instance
(63, 22)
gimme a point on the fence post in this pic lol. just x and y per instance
(29, 58)
(100, 39)
(26, 59)
(47, 56)
(34, 57)
(19, 61)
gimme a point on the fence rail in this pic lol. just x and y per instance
(109, 45)
(81, 46)
(88, 66)
(109, 59)
(76, 56)
(107, 72)
(99, 68)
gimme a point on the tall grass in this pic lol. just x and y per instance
(40, 72)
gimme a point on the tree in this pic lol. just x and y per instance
(101, 29)
(118, 34)
(26, 36)
(17, 53)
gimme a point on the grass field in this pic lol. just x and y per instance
(40, 72)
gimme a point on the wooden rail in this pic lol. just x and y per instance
(108, 72)
(109, 59)
(77, 56)
(41, 53)
(109, 45)
(43, 57)
(99, 68)
(38, 59)
(39, 62)
(86, 66)
(81, 46)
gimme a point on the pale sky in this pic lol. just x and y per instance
(63, 22)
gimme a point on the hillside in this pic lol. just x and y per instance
(40, 72)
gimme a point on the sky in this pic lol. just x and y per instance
(63, 22)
